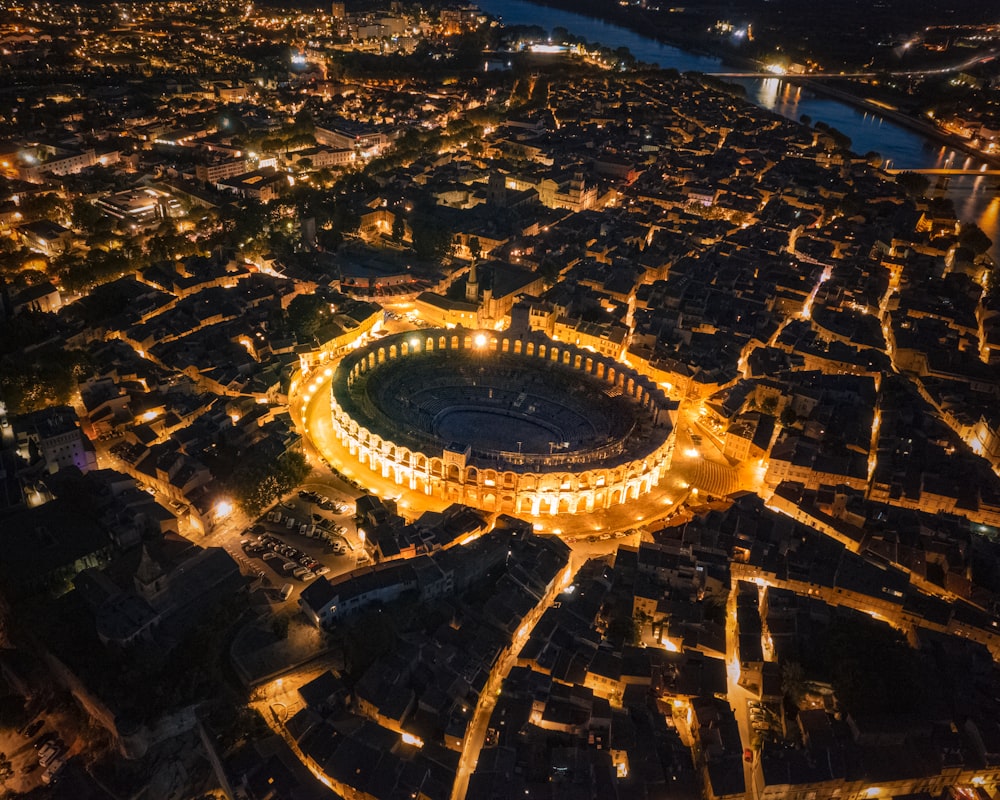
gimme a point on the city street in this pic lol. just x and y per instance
(476, 734)
(699, 472)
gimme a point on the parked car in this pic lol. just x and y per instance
(45, 738)
(52, 770)
(33, 728)
(49, 752)
(286, 591)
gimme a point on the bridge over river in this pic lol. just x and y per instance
(983, 171)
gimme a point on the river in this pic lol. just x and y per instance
(976, 198)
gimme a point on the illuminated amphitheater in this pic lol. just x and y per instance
(518, 424)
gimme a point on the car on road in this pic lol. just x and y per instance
(33, 728)
(748, 755)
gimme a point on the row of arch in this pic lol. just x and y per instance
(517, 491)
(532, 493)
(639, 388)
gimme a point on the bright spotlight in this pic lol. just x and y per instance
(480, 340)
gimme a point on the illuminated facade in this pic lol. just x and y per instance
(606, 431)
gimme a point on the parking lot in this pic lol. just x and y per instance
(40, 748)
(307, 535)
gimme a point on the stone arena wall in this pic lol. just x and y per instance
(524, 483)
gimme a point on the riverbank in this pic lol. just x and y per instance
(624, 17)
(909, 142)
(692, 55)
(901, 118)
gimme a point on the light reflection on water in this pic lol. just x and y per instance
(975, 197)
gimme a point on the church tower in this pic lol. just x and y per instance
(496, 191)
(149, 578)
(472, 285)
